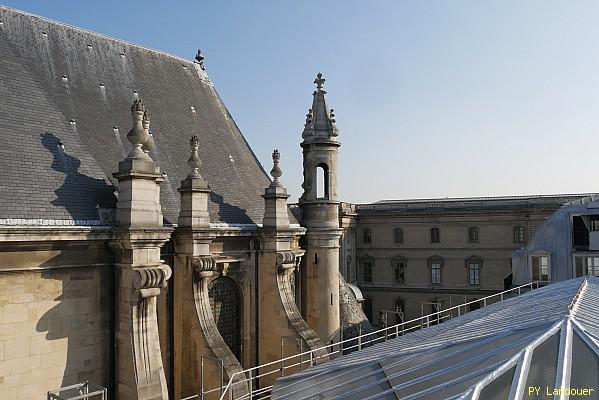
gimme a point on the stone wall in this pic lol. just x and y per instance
(54, 330)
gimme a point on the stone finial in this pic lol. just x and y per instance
(200, 59)
(276, 172)
(149, 144)
(194, 161)
(138, 135)
(309, 118)
(319, 81)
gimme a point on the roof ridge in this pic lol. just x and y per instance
(479, 198)
(101, 35)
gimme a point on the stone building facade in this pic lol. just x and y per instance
(416, 256)
(138, 240)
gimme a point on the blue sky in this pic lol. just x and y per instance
(432, 98)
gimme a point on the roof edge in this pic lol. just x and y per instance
(101, 35)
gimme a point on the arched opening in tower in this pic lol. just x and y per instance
(322, 181)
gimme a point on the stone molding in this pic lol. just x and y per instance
(149, 280)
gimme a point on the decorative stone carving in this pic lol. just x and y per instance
(138, 135)
(200, 60)
(149, 280)
(276, 172)
(205, 264)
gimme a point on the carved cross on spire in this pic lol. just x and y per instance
(319, 81)
(276, 172)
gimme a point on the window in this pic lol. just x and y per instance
(397, 235)
(519, 234)
(474, 273)
(586, 265)
(400, 309)
(435, 272)
(399, 271)
(540, 268)
(366, 235)
(594, 223)
(435, 235)
(473, 234)
(367, 270)
(322, 181)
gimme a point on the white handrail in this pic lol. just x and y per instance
(228, 388)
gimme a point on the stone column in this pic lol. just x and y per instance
(140, 272)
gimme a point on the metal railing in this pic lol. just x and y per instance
(277, 368)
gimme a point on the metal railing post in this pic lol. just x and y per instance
(311, 359)
(301, 352)
(222, 377)
(251, 385)
(360, 336)
(282, 356)
(485, 302)
(202, 377)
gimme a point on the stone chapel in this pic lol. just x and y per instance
(139, 235)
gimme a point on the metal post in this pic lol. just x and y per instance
(397, 330)
(222, 377)
(518, 291)
(301, 353)
(282, 355)
(485, 302)
(251, 385)
(359, 336)
(311, 359)
(501, 296)
(341, 341)
(202, 377)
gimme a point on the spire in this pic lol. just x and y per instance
(276, 172)
(138, 136)
(320, 123)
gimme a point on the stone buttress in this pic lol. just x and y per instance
(140, 272)
(197, 339)
(282, 330)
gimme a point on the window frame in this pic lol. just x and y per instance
(398, 235)
(397, 270)
(435, 233)
(435, 261)
(473, 234)
(366, 235)
(370, 262)
(539, 268)
(519, 230)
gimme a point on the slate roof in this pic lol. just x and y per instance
(65, 97)
(471, 204)
(548, 338)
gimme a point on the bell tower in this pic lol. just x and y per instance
(320, 213)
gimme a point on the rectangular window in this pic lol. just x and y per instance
(367, 238)
(540, 268)
(435, 235)
(580, 266)
(594, 223)
(367, 269)
(473, 234)
(519, 234)
(593, 266)
(398, 235)
(436, 272)
(399, 271)
(474, 273)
